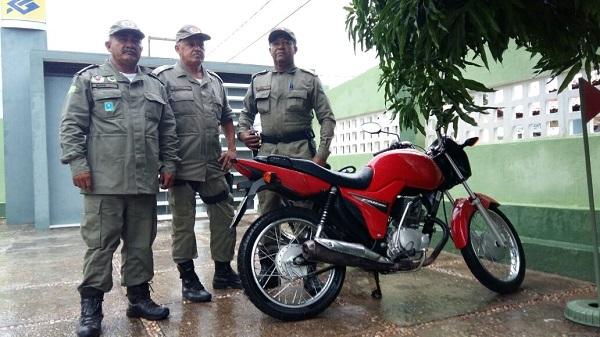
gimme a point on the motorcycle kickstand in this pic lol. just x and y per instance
(376, 293)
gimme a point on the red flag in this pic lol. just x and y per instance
(590, 100)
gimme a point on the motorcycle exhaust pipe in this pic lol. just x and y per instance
(346, 254)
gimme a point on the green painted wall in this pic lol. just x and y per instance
(358, 96)
(517, 65)
(540, 184)
(548, 172)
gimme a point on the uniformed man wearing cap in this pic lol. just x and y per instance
(118, 135)
(199, 102)
(287, 98)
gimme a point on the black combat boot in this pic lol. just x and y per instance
(191, 288)
(225, 277)
(90, 322)
(141, 305)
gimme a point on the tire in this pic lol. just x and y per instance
(500, 269)
(289, 227)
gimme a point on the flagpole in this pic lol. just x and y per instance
(588, 169)
(587, 311)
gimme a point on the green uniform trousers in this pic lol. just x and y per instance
(107, 220)
(219, 206)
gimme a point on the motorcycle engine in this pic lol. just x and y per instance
(405, 237)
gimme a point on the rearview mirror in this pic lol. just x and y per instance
(371, 127)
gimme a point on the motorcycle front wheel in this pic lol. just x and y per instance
(275, 277)
(499, 266)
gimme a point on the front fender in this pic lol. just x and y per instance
(462, 212)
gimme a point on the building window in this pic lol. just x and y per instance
(499, 114)
(534, 89)
(575, 127)
(518, 132)
(534, 109)
(552, 106)
(575, 104)
(595, 124)
(575, 82)
(484, 99)
(553, 128)
(535, 130)
(499, 96)
(499, 133)
(518, 112)
(552, 86)
(517, 92)
(484, 135)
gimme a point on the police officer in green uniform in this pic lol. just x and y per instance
(199, 102)
(118, 135)
(287, 98)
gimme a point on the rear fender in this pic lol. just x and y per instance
(462, 212)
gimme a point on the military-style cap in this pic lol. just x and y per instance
(125, 25)
(281, 32)
(190, 30)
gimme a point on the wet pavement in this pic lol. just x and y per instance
(40, 270)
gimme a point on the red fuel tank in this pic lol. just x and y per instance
(414, 168)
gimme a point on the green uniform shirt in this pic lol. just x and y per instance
(200, 108)
(285, 102)
(122, 132)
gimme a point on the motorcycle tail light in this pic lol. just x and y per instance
(269, 177)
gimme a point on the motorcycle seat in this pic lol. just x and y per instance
(359, 180)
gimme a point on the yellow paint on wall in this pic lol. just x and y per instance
(24, 10)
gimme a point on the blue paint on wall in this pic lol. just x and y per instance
(66, 204)
(17, 45)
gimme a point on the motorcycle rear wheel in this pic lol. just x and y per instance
(500, 268)
(289, 293)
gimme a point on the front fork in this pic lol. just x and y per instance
(463, 211)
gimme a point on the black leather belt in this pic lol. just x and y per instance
(289, 137)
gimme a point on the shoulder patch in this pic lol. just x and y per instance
(260, 73)
(91, 66)
(308, 71)
(160, 69)
(215, 75)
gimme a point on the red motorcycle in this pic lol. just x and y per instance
(385, 218)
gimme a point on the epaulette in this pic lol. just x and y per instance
(160, 69)
(91, 66)
(151, 74)
(260, 73)
(308, 72)
(215, 75)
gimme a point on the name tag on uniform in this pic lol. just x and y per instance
(109, 106)
(105, 86)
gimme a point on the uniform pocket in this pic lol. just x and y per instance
(216, 108)
(153, 106)
(182, 100)
(91, 228)
(296, 100)
(107, 103)
(261, 98)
